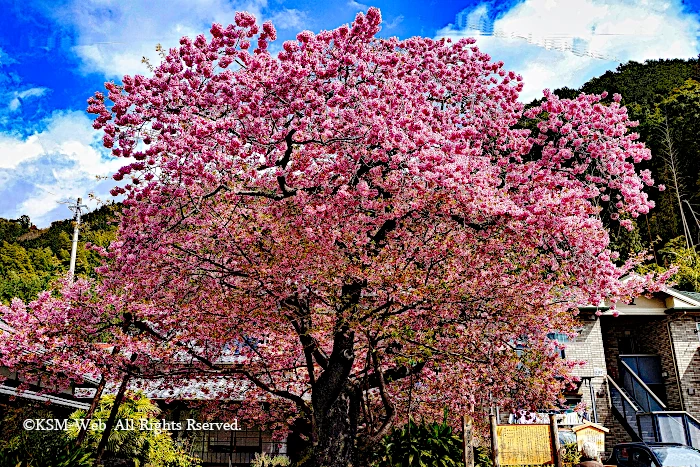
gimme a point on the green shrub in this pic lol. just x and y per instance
(265, 460)
(24, 448)
(570, 454)
(420, 445)
(482, 457)
(35, 451)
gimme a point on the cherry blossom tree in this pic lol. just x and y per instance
(352, 230)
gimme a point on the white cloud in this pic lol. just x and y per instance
(289, 19)
(114, 35)
(357, 5)
(556, 43)
(393, 23)
(19, 96)
(62, 161)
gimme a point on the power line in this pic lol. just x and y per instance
(573, 44)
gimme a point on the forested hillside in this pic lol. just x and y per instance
(31, 258)
(663, 95)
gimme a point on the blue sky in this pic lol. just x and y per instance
(55, 53)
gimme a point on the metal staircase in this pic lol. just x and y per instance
(645, 417)
(625, 408)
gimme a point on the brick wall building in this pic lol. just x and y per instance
(652, 346)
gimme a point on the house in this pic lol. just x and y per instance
(641, 376)
(223, 442)
(217, 446)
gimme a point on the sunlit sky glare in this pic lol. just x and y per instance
(54, 54)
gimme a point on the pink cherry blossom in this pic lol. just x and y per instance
(361, 221)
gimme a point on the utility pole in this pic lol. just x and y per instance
(77, 210)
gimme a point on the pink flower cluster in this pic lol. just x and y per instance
(358, 204)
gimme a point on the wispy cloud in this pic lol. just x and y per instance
(14, 93)
(556, 43)
(20, 96)
(6, 59)
(61, 161)
(393, 23)
(289, 19)
(357, 5)
(113, 36)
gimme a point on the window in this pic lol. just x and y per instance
(640, 458)
(560, 338)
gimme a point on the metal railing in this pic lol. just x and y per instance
(624, 406)
(639, 391)
(646, 416)
(669, 427)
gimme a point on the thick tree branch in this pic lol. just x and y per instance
(394, 374)
(288, 151)
(299, 402)
(387, 226)
(310, 346)
(386, 401)
(479, 227)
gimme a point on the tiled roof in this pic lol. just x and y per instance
(692, 295)
(211, 389)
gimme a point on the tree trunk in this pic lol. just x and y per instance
(335, 433)
(111, 420)
(91, 411)
(95, 402)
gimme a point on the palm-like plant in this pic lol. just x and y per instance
(37, 448)
(146, 447)
(132, 444)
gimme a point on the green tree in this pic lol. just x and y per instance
(687, 260)
(30, 259)
(674, 138)
(14, 258)
(36, 448)
(12, 229)
(643, 83)
(43, 260)
(23, 286)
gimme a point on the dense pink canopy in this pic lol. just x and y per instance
(352, 214)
